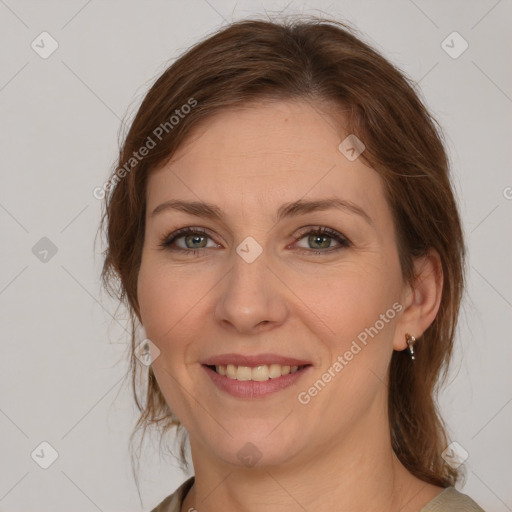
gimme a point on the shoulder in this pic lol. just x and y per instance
(448, 500)
(451, 500)
(173, 502)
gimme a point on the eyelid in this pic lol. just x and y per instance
(344, 242)
(324, 230)
(173, 235)
(340, 238)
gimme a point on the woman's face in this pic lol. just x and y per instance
(259, 288)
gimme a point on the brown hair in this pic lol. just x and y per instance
(317, 60)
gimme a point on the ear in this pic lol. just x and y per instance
(421, 299)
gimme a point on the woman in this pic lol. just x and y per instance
(282, 225)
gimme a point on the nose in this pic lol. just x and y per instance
(252, 297)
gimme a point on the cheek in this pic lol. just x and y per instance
(356, 305)
(160, 305)
(172, 303)
(361, 309)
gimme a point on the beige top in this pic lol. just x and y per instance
(448, 500)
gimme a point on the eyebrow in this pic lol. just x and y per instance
(293, 209)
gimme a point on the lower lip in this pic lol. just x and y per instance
(251, 388)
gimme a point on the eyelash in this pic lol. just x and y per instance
(168, 240)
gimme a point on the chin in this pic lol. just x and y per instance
(256, 449)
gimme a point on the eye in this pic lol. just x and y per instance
(194, 239)
(321, 238)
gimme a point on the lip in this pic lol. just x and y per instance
(254, 360)
(249, 389)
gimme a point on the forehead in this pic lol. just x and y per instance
(262, 155)
(296, 130)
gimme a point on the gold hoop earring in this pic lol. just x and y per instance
(411, 340)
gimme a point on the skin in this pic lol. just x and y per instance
(333, 453)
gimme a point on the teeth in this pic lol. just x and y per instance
(258, 373)
(230, 371)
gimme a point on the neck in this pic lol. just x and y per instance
(357, 472)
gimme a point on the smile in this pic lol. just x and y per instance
(258, 373)
(254, 382)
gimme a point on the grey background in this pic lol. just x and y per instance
(63, 355)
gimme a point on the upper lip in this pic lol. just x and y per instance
(254, 360)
